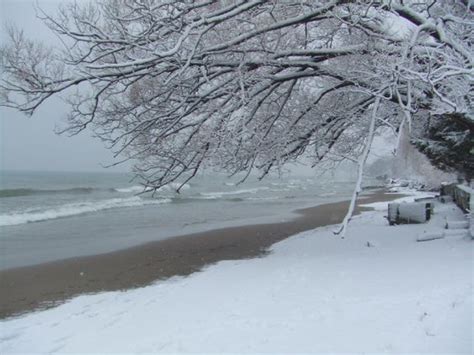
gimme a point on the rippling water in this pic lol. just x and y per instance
(47, 216)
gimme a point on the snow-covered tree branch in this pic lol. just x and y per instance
(244, 85)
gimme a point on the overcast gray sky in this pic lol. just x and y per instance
(29, 143)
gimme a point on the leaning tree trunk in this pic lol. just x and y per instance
(360, 171)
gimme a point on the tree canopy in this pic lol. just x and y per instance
(178, 85)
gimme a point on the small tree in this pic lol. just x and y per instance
(244, 85)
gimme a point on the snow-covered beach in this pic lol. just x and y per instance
(50, 283)
(378, 290)
(241, 176)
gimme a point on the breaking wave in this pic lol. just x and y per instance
(132, 189)
(138, 188)
(86, 190)
(219, 194)
(29, 192)
(72, 209)
(174, 186)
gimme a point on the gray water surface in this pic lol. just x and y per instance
(48, 216)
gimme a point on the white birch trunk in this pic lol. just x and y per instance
(360, 171)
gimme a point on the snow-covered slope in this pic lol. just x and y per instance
(376, 291)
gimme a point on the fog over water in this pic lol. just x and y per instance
(29, 143)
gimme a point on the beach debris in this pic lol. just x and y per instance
(406, 213)
(426, 237)
(425, 199)
(81, 273)
(397, 185)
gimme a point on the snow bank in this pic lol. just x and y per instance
(313, 293)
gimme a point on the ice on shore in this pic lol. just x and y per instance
(313, 293)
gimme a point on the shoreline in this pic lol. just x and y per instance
(46, 285)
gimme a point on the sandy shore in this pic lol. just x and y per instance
(41, 286)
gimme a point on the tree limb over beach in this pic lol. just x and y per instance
(177, 86)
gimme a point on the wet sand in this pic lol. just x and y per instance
(45, 285)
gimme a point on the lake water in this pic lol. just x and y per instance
(46, 216)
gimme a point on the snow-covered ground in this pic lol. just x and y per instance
(313, 293)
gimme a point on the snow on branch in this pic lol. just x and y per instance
(240, 86)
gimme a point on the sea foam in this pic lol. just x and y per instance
(138, 188)
(132, 189)
(29, 191)
(72, 209)
(219, 194)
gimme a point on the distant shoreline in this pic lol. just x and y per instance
(45, 285)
